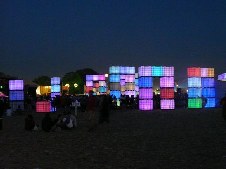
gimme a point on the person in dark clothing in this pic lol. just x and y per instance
(29, 123)
(47, 123)
(104, 110)
(223, 103)
(2, 109)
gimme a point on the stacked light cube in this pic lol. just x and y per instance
(200, 85)
(122, 81)
(166, 87)
(166, 74)
(96, 83)
(43, 106)
(128, 73)
(16, 94)
(208, 86)
(194, 87)
(55, 87)
(145, 88)
(136, 84)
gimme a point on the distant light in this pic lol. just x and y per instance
(75, 85)
(106, 75)
(67, 85)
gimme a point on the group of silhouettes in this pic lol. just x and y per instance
(63, 121)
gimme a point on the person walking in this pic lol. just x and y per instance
(223, 103)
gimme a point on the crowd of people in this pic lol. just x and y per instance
(90, 105)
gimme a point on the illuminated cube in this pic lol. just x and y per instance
(194, 72)
(145, 93)
(208, 92)
(167, 104)
(114, 78)
(157, 71)
(211, 102)
(145, 82)
(43, 106)
(115, 93)
(194, 92)
(195, 103)
(16, 85)
(55, 80)
(16, 95)
(194, 82)
(167, 82)
(167, 93)
(89, 83)
(144, 71)
(208, 82)
(145, 104)
(168, 71)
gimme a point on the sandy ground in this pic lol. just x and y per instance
(176, 139)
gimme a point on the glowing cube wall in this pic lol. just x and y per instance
(208, 82)
(16, 85)
(114, 78)
(208, 92)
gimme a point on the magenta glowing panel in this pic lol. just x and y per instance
(144, 71)
(145, 93)
(194, 82)
(43, 106)
(145, 104)
(167, 104)
(101, 77)
(204, 72)
(16, 85)
(130, 78)
(89, 83)
(168, 71)
(167, 82)
(130, 93)
(55, 80)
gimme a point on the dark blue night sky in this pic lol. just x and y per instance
(53, 37)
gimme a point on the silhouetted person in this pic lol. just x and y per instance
(223, 103)
(2, 109)
(104, 110)
(47, 123)
(29, 123)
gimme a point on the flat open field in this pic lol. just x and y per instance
(177, 139)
